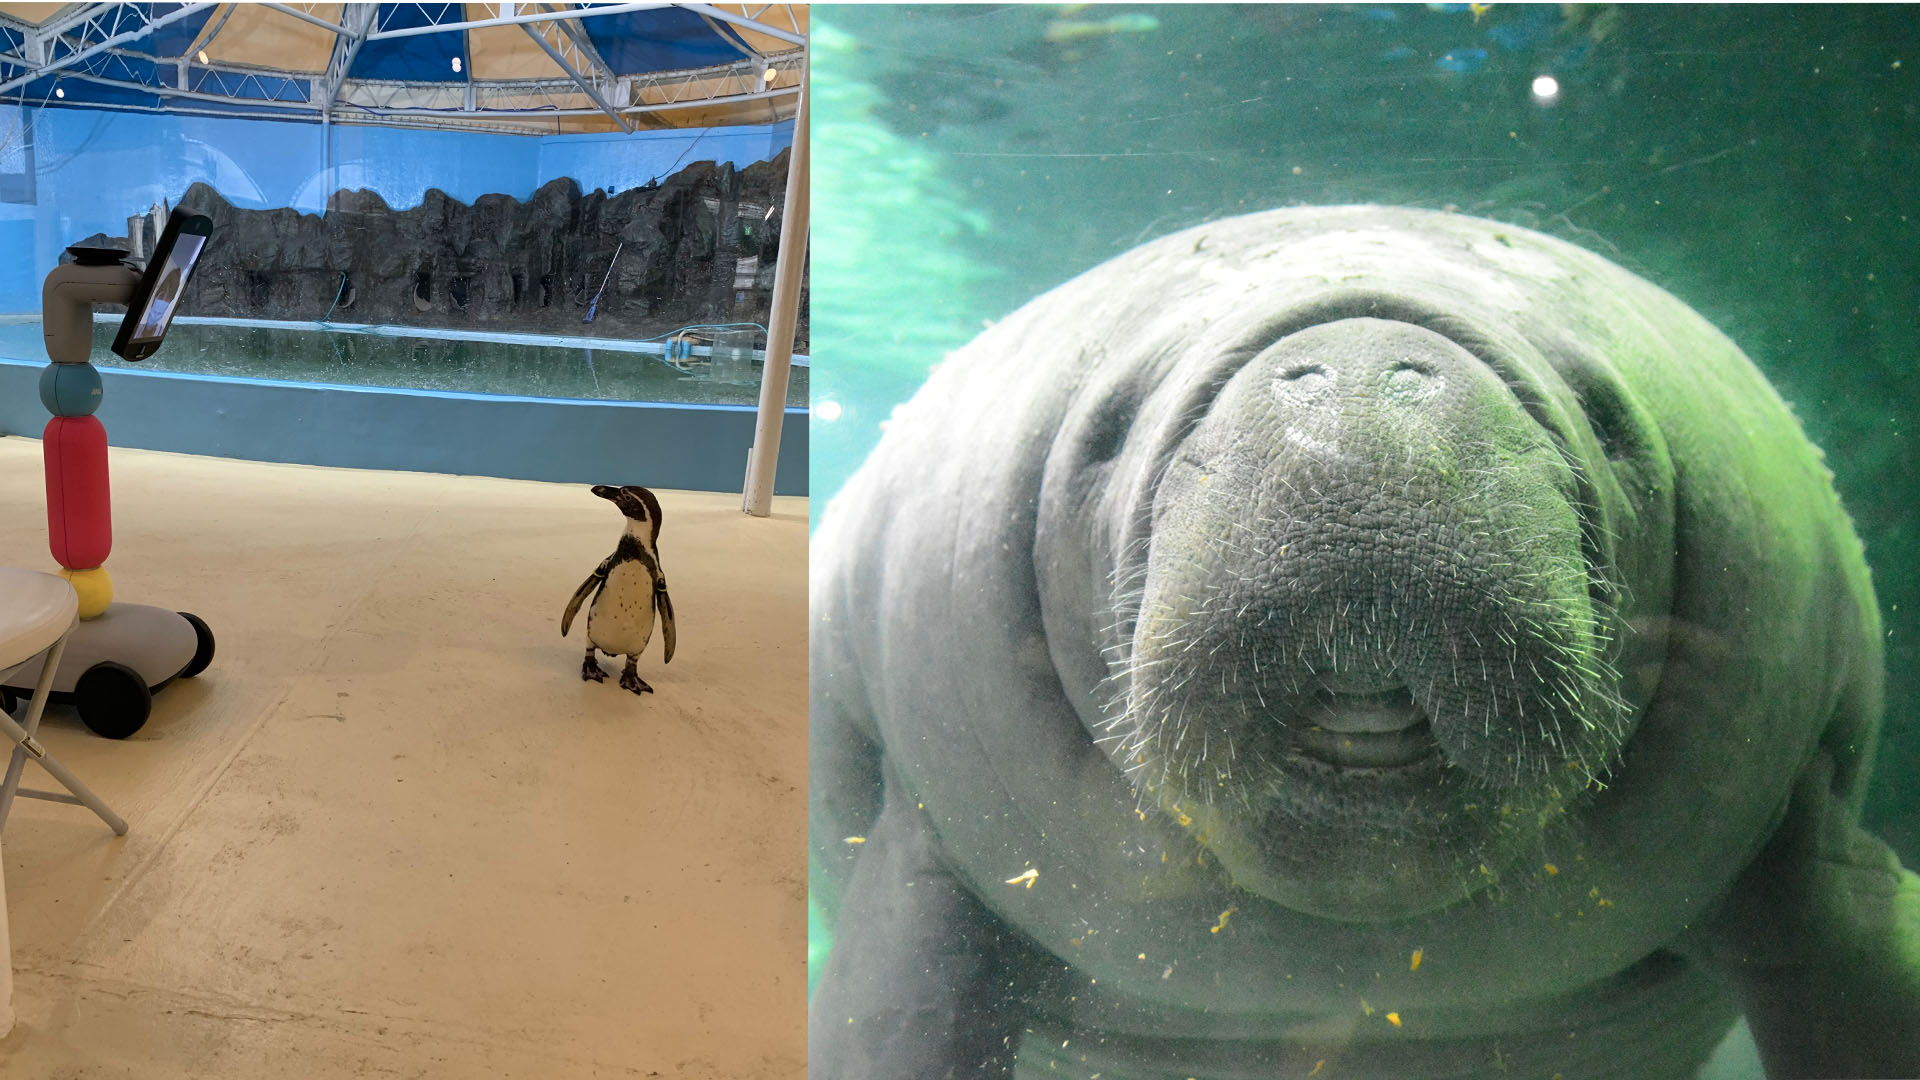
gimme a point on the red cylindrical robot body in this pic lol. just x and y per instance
(79, 511)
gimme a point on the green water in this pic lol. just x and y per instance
(423, 363)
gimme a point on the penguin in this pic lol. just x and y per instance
(631, 587)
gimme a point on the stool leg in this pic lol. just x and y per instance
(35, 707)
(25, 743)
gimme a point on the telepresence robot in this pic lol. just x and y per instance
(119, 655)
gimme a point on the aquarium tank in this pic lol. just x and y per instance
(1758, 163)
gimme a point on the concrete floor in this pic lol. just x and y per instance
(391, 832)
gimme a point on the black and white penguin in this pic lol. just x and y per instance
(631, 587)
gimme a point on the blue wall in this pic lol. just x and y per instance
(96, 168)
(694, 447)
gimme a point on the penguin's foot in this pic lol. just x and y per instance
(590, 670)
(630, 680)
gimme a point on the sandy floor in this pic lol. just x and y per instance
(391, 832)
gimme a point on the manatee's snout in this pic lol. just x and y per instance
(1342, 393)
(1365, 595)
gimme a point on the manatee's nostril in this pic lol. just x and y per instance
(1303, 371)
(1414, 377)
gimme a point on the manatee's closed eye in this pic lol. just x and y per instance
(1106, 430)
(1610, 417)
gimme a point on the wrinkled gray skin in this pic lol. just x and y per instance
(1357, 639)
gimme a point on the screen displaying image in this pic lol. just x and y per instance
(166, 295)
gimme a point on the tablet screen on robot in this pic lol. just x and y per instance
(155, 298)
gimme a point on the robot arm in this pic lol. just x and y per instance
(67, 299)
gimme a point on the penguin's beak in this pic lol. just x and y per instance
(606, 491)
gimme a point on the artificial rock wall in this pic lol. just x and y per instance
(698, 247)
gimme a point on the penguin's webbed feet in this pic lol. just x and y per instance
(630, 679)
(590, 670)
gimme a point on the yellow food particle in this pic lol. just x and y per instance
(1394, 1019)
(1366, 1008)
(1317, 1066)
(1143, 956)
(1027, 878)
(1416, 960)
(1552, 869)
(1222, 924)
(1594, 893)
(856, 840)
(1185, 821)
(1605, 902)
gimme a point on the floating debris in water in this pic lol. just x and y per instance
(1222, 924)
(1416, 960)
(1060, 31)
(855, 840)
(1462, 60)
(1027, 878)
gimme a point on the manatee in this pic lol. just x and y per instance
(1350, 642)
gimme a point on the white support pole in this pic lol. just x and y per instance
(787, 276)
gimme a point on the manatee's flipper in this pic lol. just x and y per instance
(917, 985)
(1819, 943)
(586, 589)
(843, 764)
(665, 605)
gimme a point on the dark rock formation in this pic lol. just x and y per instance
(698, 247)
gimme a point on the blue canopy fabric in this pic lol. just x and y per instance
(535, 67)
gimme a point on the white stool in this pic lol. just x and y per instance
(37, 614)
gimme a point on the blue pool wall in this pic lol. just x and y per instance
(692, 447)
(95, 168)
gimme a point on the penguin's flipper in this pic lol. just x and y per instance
(594, 581)
(665, 605)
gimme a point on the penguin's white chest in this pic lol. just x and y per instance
(621, 619)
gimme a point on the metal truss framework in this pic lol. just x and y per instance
(89, 43)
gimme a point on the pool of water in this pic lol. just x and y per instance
(532, 367)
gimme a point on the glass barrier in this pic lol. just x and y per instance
(577, 266)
